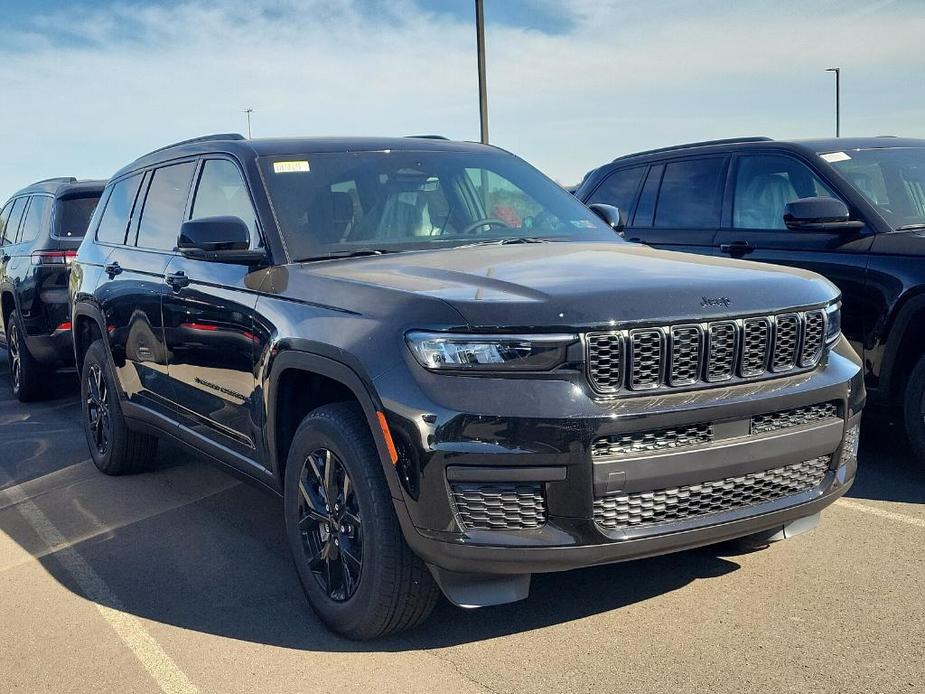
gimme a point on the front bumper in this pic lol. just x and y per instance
(459, 435)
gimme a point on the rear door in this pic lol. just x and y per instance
(10, 219)
(679, 204)
(762, 184)
(135, 287)
(209, 326)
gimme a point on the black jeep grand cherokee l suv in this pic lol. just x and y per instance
(849, 208)
(41, 227)
(454, 373)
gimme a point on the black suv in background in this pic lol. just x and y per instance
(40, 229)
(454, 373)
(851, 209)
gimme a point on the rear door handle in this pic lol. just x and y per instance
(177, 280)
(737, 248)
(113, 269)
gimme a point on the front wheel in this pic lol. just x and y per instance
(914, 411)
(358, 574)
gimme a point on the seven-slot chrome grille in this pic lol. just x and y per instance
(646, 359)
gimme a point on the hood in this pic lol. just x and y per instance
(578, 285)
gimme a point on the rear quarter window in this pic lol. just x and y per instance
(115, 219)
(37, 218)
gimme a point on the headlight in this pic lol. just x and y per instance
(454, 352)
(832, 322)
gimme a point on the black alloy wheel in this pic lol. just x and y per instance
(330, 525)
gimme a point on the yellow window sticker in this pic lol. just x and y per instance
(291, 167)
(833, 157)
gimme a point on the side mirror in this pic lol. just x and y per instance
(819, 214)
(613, 216)
(223, 239)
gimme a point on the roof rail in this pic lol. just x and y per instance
(705, 143)
(203, 138)
(427, 137)
(57, 179)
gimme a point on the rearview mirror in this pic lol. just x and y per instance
(819, 214)
(611, 215)
(224, 239)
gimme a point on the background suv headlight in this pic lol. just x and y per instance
(832, 322)
(455, 352)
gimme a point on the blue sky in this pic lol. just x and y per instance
(88, 85)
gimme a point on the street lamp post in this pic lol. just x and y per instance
(837, 71)
(248, 112)
(480, 47)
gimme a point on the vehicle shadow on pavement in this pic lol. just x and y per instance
(188, 545)
(887, 470)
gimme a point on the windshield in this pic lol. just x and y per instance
(330, 204)
(892, 179)
(74, 214)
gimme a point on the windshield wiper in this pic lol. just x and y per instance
(505, 242)
(346, 253)
(908, 227)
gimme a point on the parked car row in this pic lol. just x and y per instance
(851, 209)
(454, 373)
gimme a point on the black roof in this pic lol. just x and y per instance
(237, 145)
(808, 146)
(63, 186)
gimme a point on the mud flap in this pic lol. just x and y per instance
(481, 590)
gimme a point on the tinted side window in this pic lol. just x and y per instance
(765, 184)
(691, 195)
(619, 188)
(222, 191)
(4, 216)
(118, 210)
(36, 218)
(12, 224)
(165, 204)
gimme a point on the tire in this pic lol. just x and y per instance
(28, 378)
(914, 411)
(115, 449)
(392, 590)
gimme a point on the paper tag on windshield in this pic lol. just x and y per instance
(291, 167)
(833, 157)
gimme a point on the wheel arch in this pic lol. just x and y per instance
(326, 381)
(86, 326)
(905, 340)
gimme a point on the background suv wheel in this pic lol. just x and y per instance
(27, 377)
(360, 577)
(914, 411)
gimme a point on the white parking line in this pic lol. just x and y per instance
(169, 677)
(864, 508)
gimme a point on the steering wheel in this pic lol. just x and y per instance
(487, 222)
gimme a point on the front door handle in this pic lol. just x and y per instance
(737, 248)
(113, 269)
(177, 280)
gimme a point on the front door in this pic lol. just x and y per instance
(209, 327)
(762, 185)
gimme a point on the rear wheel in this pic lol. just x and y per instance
(27, 377)
(358, 574)
(115, 449)
(914, 411)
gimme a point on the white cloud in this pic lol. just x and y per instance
(87, 89)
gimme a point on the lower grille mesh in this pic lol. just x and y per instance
(652, 441)
(642, 509)
(792, 418)
(500, 506)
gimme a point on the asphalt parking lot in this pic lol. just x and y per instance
(178, 580)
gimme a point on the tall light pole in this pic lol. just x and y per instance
(480, 47)
(837, 71)
(248, 112)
